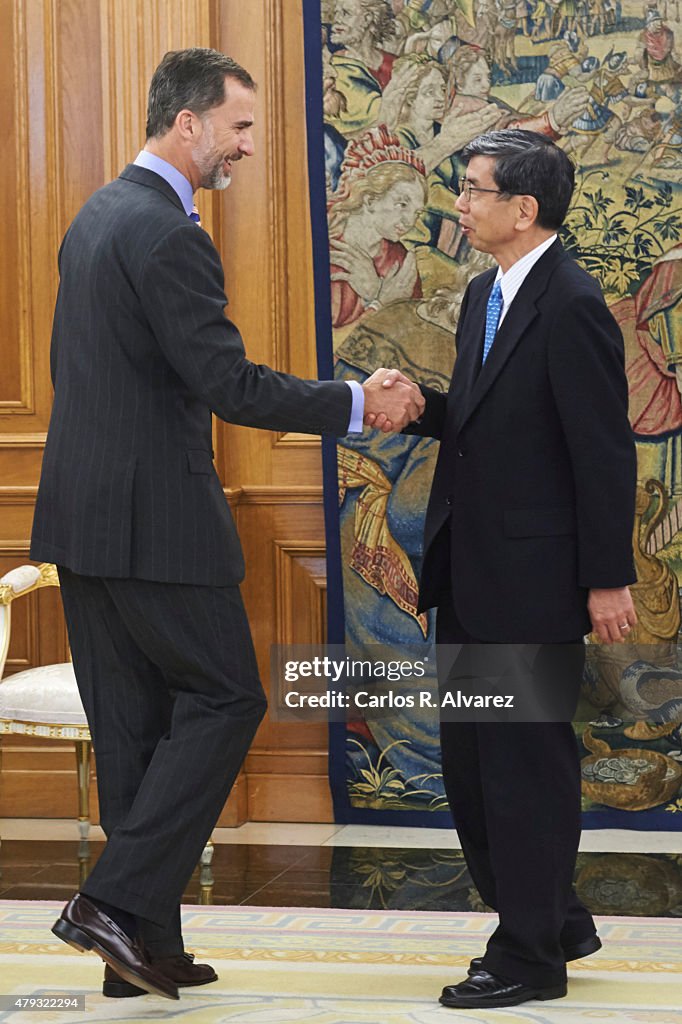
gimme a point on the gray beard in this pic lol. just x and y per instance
(217, 181)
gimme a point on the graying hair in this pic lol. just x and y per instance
(527, 163)
(192, 79)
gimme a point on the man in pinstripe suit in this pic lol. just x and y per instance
(132, 511)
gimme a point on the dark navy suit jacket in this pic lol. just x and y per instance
(533, 495)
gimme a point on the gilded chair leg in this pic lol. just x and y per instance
(205, 885)
(84, 854)
(83, 748)
(206, 875)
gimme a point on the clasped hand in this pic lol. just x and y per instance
(392, 400)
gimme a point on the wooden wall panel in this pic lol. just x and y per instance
(15, 391)
(77, 73)
(135, 36)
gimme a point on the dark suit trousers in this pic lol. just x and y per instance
(168, 678)
(514, 793)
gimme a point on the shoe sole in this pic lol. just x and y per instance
(482, 1004)
(81, 941)
(122, 990)
(126, 990)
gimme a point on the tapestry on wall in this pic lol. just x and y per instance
(395, 90)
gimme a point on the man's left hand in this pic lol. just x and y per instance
(612, 613)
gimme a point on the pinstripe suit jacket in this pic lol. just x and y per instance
(142, 353)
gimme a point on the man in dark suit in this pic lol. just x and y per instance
(527, 541)
(133, 513)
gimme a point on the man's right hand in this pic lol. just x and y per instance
(392, 400)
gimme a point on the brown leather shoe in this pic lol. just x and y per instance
(85, 927)
(181, 969)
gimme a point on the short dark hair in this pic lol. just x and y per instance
(529, 164)
(191, 79)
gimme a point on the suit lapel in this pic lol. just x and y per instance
(470, 349)
(522, 313)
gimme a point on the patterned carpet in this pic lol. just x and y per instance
(343, 967)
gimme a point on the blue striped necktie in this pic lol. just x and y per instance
(194, 215)
(492, 318)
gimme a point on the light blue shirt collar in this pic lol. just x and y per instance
(177, 181)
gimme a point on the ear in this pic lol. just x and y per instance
(188, 125)
(527, 212)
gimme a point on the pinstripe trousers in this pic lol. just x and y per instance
(169, 682)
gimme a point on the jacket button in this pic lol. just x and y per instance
(461, 452)
(448, 500)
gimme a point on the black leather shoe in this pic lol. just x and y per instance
(487, 990)
(585, 948)
(180, 968)
(85, 927)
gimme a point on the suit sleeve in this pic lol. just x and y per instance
(430, 423)
(182, 294)
(587, 375)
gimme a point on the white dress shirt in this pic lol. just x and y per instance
(517, 274)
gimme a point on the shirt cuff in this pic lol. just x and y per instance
(357, 409)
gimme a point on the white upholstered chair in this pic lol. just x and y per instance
(43, 701)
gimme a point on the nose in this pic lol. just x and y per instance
(461, 202)
(246, 144)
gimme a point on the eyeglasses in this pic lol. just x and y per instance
(466, 188)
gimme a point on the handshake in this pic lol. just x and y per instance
(391, 400)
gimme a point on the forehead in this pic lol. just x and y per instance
(480, 170)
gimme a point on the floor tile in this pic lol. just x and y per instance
(45, 828)
(613, 882)
(620, 840)
(394, 836)
(277, 834)
(286, 834)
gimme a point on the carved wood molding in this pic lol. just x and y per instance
(298, 441)
(36, 440)
(276, 176)
(301, 587)
(54, 116)
(235, 496)
(18, 495)
(266, 495)
(14, 548)
(17, 551)
(18, 265)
